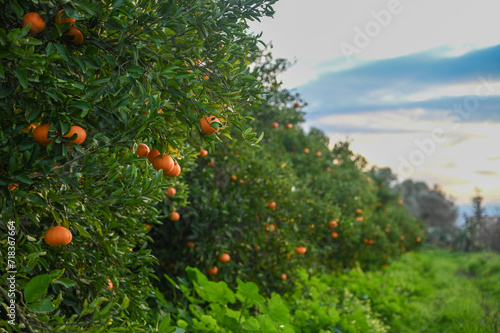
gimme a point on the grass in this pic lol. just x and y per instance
(434, 291)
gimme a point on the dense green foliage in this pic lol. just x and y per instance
(311, 183)
(432, 291)
(186, 59)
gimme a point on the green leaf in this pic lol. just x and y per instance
(43, 306)
(165, 323)
(125, 303)
(67, 283)
(249, 293)
(83, 105)
(23, 178)
(81, 230)
(251, 325)
(89, 8)
(36, 287)
(56, 274)
(276, 309)
(195, 275)
(63, 51)
(217, 292)
(22, 77)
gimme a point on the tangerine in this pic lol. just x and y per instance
(58, 236)
(174, 216)
(176, 170)
(60, 19)
(164, 162)
(40, 134)
(152, 155)
(74, 35)
(212, 270)
(142, 150)
(36, 21)
(224, 257)
(81, 135)
(206, 127)
(203, 153)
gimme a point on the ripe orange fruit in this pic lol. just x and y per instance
(272, 205)
(176, 170)
(40, 134)
(12, 187)
(164, 162)
(358, 211)
(142, 150)
(334, 235)
(318, 154)
(360, 218)
(37, 22)
(174, 216)
(270, 227)
(28, 129)
(74, 35)
(234, 177)
(283, 276)
(206, 127)
(300, 250)
(366, 241)
(400, 201)
(370, 241)
(152, 155)
(275, 125)
(110, 284)
(211, 163)
(148, 226)
(288, 126)
(387, 230)
(58, 236)
(171, 192)
(190, 244)
(224, 257)
(332, 224)
(80, 132)
(59, 19)
(203, 153)
(296, 105)
(212, 270)
(306, 150)
(419, 239)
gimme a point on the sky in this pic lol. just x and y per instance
(414, 84)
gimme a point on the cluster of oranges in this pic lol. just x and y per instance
(37, 25)
(41, 133)
(163, 162)
(275, 125)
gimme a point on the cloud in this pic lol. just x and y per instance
(487, 173)
(427, 80)
(495, 158)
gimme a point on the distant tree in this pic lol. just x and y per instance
(481, 231)
(433, 206)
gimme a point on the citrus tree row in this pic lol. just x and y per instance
(86, 80)
(277, 208)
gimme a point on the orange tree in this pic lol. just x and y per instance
(227, 208)
(82, 83)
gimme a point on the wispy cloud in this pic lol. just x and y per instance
(469, 83)
(487, 173)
